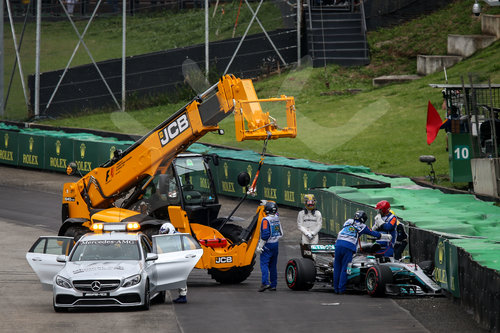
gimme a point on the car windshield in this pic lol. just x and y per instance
(98, 250)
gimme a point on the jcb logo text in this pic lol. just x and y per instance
(173, 130)
(223, 260)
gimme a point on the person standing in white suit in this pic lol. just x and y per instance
(309, 222)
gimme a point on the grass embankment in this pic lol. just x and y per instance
(382, 128)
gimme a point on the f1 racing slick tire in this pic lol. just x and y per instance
(300, 274)
(376, 279)
(232, 275)
(427, 266)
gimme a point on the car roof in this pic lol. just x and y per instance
(111, 236)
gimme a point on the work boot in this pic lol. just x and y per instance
(264, 287)
(180, 300)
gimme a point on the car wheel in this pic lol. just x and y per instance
(427, 266)
(76, 231)
(147, 297)
(376, 279)
(300, 274)
(160, 297)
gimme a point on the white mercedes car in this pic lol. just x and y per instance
(113, 269)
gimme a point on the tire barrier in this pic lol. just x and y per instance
(477, 288)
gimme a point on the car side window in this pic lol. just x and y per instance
(52, 246)
(189, 243)
(167, 244)
(57, 246)
(39, 246)
(146, 247)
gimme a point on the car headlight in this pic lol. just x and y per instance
(63, 282)
(132, 281)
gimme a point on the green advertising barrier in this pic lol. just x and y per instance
(58, 153)
(107, 150)
(446, 266)
(31, 150)
(459, 155)
(9, 147)
(336, 209)
(87, 154)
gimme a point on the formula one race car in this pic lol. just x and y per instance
(368, 272)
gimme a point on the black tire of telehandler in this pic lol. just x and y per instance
(231, 232)
(234, 275)
(76, 231)
(151, 230)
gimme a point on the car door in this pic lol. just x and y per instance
(177, 256)
(42, 257)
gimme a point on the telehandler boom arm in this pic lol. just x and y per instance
(102, 186)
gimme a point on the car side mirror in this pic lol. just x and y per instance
(151, 257)
(61, 258)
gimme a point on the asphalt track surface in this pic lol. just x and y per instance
(30, 207)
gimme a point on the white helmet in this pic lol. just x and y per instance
(167, 228)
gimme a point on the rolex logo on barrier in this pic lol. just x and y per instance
(441, 252)
(324, 181)
(58, 147)
(30, 158)
(288, 177)
(343, 182)
(112, 152)
(305, 181)
(5, 154)
(226, 170)
(82, 150)
(269, 174)
(249, 170)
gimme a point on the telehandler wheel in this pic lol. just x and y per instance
(233, 275)
(151, 230)
(76, 231)
(231, 232)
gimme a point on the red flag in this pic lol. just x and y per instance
(433, 123)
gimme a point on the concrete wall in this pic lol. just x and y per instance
(490, 25)
(467, 45)
(428, 64)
